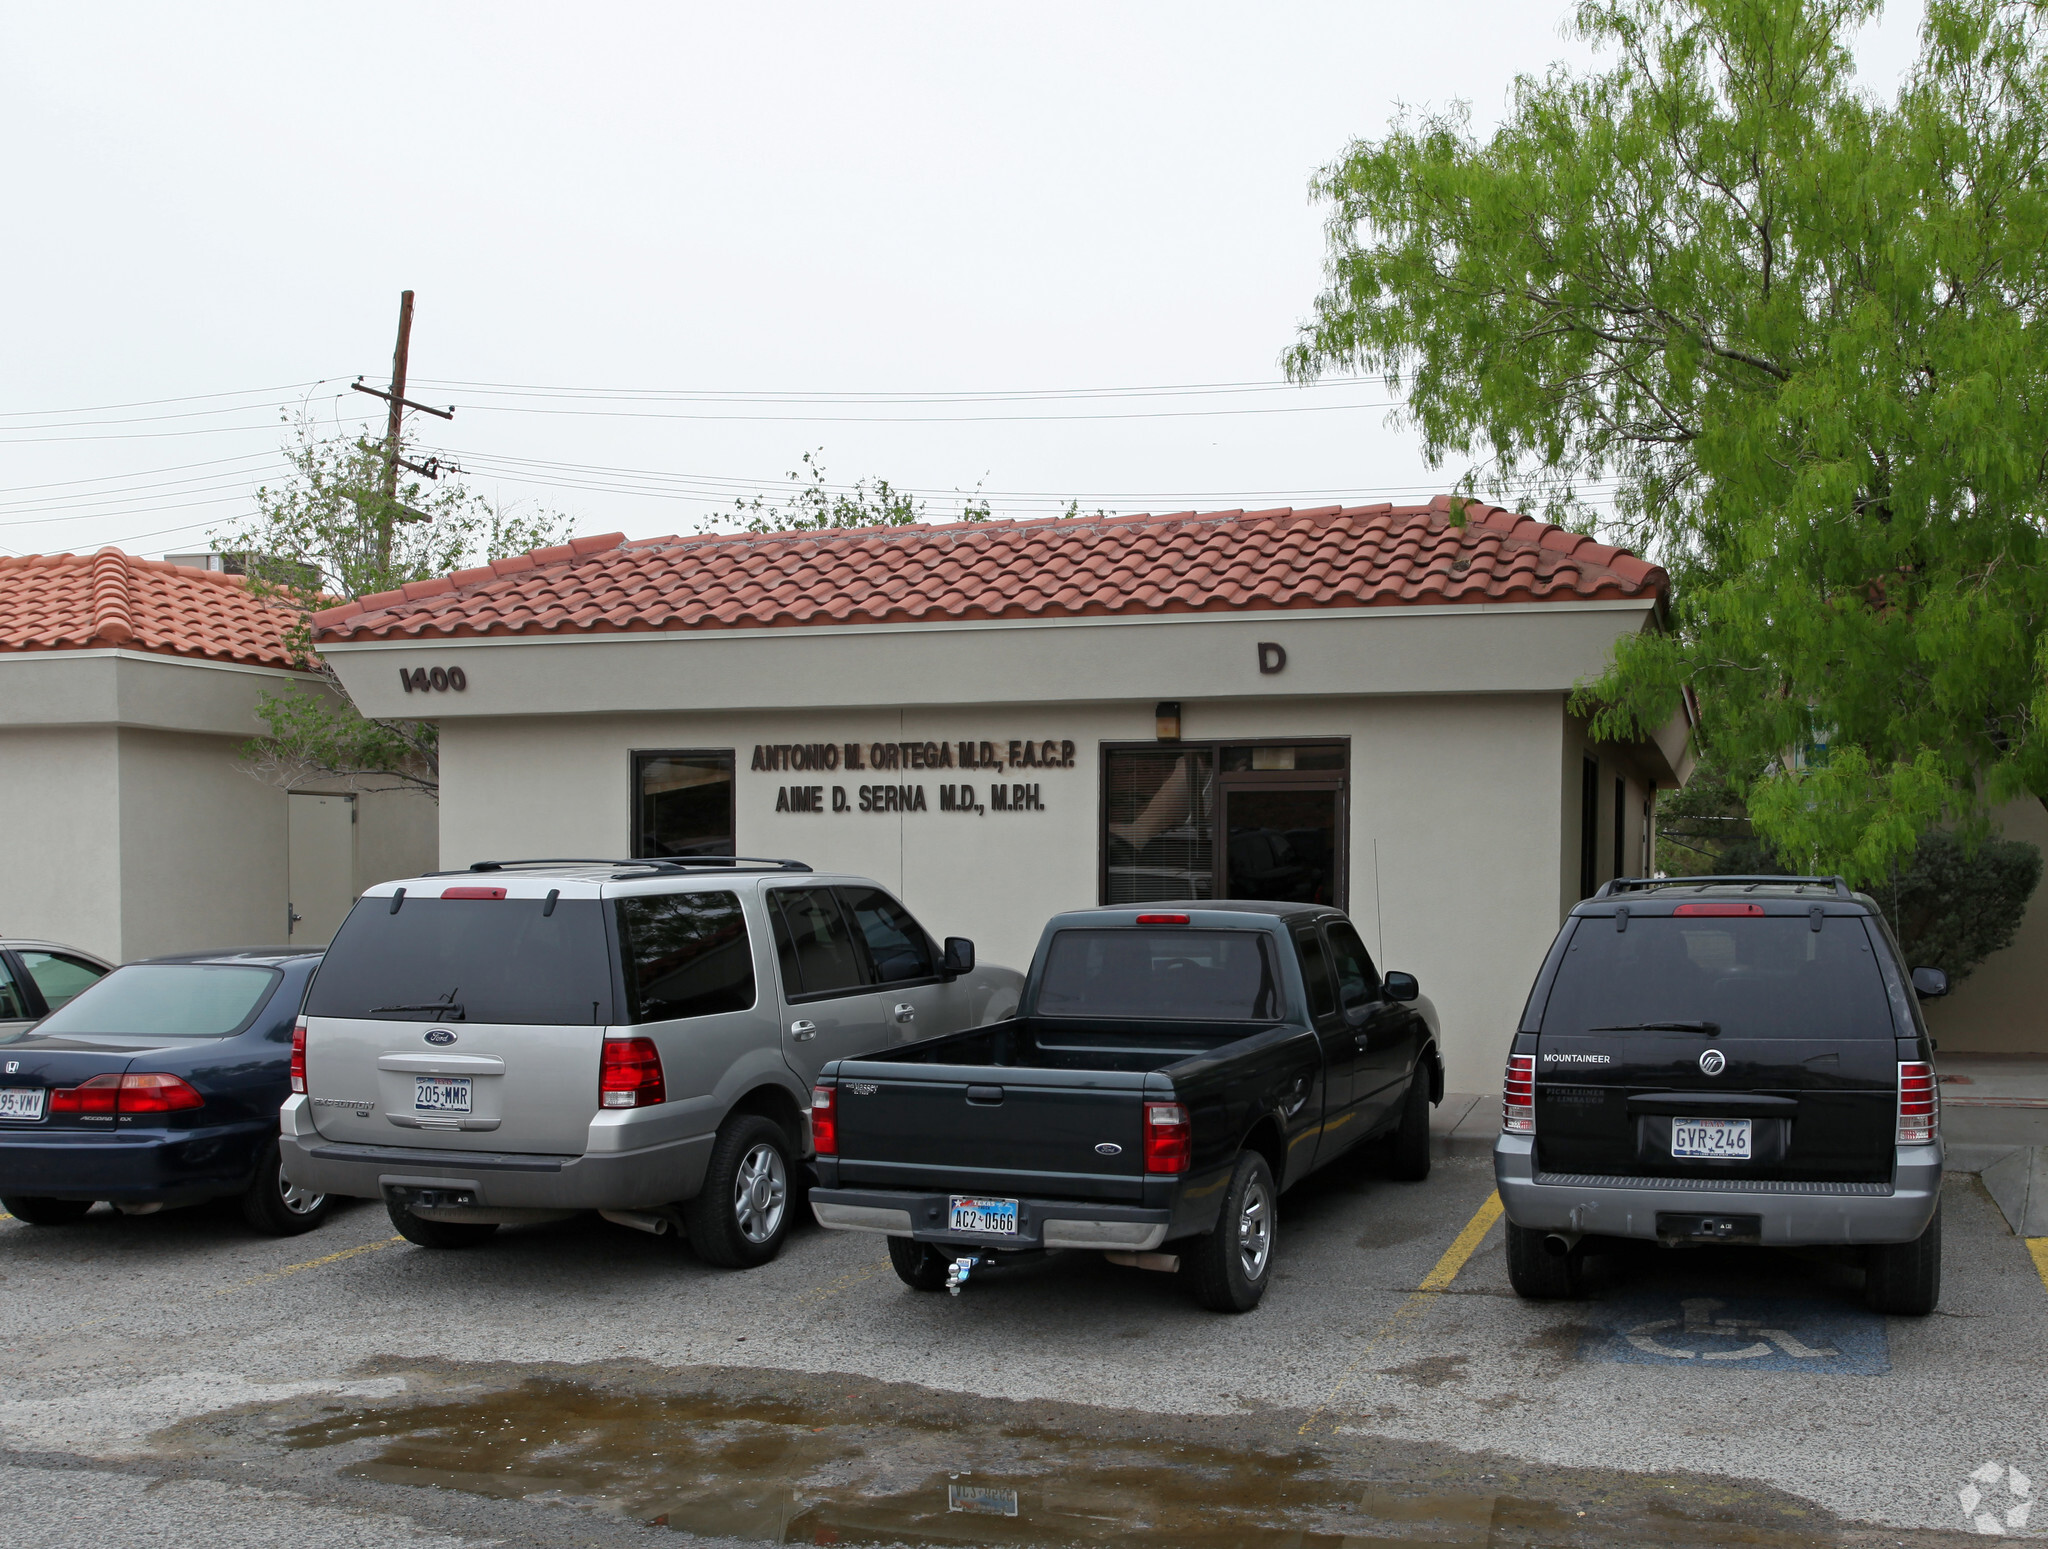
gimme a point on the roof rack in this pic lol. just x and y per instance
(1650, 884)
(658, 866)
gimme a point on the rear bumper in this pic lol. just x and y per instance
(131, 1167)
(1041, 1223)
(643, 1179)
(1793, 1214)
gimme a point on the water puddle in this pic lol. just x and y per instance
(815, 1472)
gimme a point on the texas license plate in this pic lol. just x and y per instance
(1724, 1140)
(441, 1094)
(985, 1215)
(21, 1102)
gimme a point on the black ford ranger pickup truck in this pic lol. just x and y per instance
(1171, 1070)
(1725, 1060)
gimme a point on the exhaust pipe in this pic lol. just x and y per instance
(641, 1221)
(1558, 1244)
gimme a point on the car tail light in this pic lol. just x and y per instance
(629, 1075)
(1919, 1116)
(299, 1055)
(99, 1095)
(1169, 1139)
(1518, 1096)
(1162, 919)
(498, 892)
(824, 1121)
(147, 1092)
(1719, 909)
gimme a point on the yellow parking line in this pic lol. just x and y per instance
(2038, 1247)
(1437, 1281)
(293, 1269)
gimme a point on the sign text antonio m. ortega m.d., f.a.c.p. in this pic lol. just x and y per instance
(998, 796)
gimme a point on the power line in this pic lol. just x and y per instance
(968, 395)
(151, 403)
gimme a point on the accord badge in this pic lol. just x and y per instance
(1109, 1148)
(440, 1038)
(1713, 1062)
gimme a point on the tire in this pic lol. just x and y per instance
(918, 1264)
(1408, 1149)
(1905, 1277)
(438, 1234)
(1537, 1274)
(740, 1217)
(45, 1212)
(1229, 1269)
(274, 1205)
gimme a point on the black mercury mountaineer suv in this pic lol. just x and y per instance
(1171, 1070)
(1725, 1059)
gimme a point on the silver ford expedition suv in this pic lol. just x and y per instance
(1725, 1060)
(524, 1040)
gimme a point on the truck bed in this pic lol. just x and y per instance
(1064, 1043)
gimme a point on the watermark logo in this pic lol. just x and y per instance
(1997, 1500)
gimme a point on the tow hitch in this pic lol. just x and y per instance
(958, 1271)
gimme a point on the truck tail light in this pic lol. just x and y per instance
(1169, 1139)
(299, 1056)
(498, 892)
(629, 1074)
(1162, 919)
(1919, 1115)
(824, 1121)
(1734, 910)
(1518, 1095)
(99, 1095)
(147, 1092)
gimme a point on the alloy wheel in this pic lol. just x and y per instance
(760, 1193)
(299, 1201)
(1254, 1230)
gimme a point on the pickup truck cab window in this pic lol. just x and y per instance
(897, 944)
(1196, 975)
(1315, 972)
(814, 943)
(686, 955)
(1358, 983)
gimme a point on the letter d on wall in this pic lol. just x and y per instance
(1271, 657)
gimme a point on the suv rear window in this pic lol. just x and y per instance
(1185, 975)
(1753, 977)
(474, 960)
(687, 955)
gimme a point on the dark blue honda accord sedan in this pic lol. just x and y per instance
(158, 1086)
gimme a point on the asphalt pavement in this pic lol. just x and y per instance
(174, 1378)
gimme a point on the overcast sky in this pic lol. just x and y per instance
(626, 223)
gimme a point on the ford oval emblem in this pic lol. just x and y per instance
(440, 1037)
(1109, 1148)
(1713, 1062)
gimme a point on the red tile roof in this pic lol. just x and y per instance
(1219, 562)
(70, 602)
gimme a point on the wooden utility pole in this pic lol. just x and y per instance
(389, 511)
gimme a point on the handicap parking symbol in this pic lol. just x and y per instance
(1756, 1334)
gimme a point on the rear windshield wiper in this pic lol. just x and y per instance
(447, 1008)
(1709, 1028)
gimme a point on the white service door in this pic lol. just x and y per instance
(322, 867)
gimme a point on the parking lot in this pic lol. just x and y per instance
(172, 1376)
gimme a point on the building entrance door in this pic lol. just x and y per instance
(321, 861)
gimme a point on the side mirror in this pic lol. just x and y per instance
(959, 957)
(1930, 983)
(1400, 986)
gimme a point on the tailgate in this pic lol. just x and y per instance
(992, 1129)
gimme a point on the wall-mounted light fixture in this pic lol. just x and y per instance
(1166, 720)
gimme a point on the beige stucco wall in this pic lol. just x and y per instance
(2000, 1008)
(1464, 857)
(59, 815)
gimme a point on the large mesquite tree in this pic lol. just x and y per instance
(1797, 333)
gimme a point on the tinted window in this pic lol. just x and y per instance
(1315, 969)
(1187, 975)
(683, 803)
(897, 944)
(1357, 981)
(58, 975)
(487, 960)
(165, 1000)
(1770, 977)
(814, 943)
(687, 955)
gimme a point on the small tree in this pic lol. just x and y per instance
(327, 535)
(811, 507)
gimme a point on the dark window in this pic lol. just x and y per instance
(897, 944)
(58, 975)
(813, 942)
(687, 955)
(1621, 828)
(165, 1000)
(1357, 981)
(13, 1004)
(488, 960)
(1769, 977)
(1158, 824)
(682, 804)
(1315, 970)
(1589, 827)
(1186, 975)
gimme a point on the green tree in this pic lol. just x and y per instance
(329, 534)
(812, 507)
(1799, 332)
